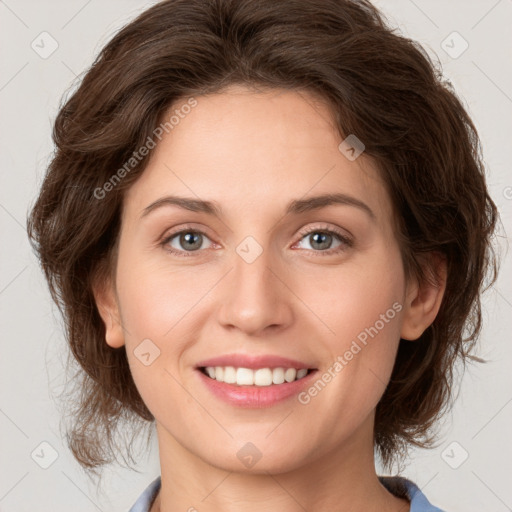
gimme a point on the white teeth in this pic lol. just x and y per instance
(278, 375)
(301, 373)
(263, 377)
(259, 377)
(290, 374)
(230, 375)
(244, 377)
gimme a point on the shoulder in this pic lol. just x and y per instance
(145, 500)
(404, 488)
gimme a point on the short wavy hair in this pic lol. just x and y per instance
(379, 85)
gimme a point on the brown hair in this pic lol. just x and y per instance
(380, 86)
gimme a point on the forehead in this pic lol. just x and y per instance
(248, 150)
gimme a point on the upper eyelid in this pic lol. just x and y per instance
(302, 231)
(335, 230)
(171, 233)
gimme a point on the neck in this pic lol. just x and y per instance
(343, 479)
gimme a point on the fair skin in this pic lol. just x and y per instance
(252, 153)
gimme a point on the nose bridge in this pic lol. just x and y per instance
(254, 298)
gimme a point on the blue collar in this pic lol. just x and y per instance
(398, 486)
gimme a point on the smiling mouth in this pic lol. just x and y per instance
(254, 377)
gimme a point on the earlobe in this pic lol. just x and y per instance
(108, 309)
(423, 300)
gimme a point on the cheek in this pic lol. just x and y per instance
(361, 309)
(153, 302)
(165, 305)
(156, 297)
(154, 308)
(353, 296)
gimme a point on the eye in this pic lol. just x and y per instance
(188, 241)
(185, 241)
(322, 239)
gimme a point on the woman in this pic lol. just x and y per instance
(267, 225)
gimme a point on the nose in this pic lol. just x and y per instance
(255, 297)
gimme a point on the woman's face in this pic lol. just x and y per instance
(261, 270)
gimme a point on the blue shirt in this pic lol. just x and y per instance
(419, 502)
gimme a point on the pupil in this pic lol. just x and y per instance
(188, 238)
(322, 236)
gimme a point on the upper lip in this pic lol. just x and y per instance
(253, 362)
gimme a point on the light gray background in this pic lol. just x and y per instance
(33, 347)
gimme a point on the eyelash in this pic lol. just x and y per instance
(346, 241)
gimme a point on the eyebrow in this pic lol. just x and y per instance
(294, 207)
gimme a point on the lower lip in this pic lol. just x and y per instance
(255, 396)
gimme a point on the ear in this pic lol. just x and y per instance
(106, 302)
(423, 300)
